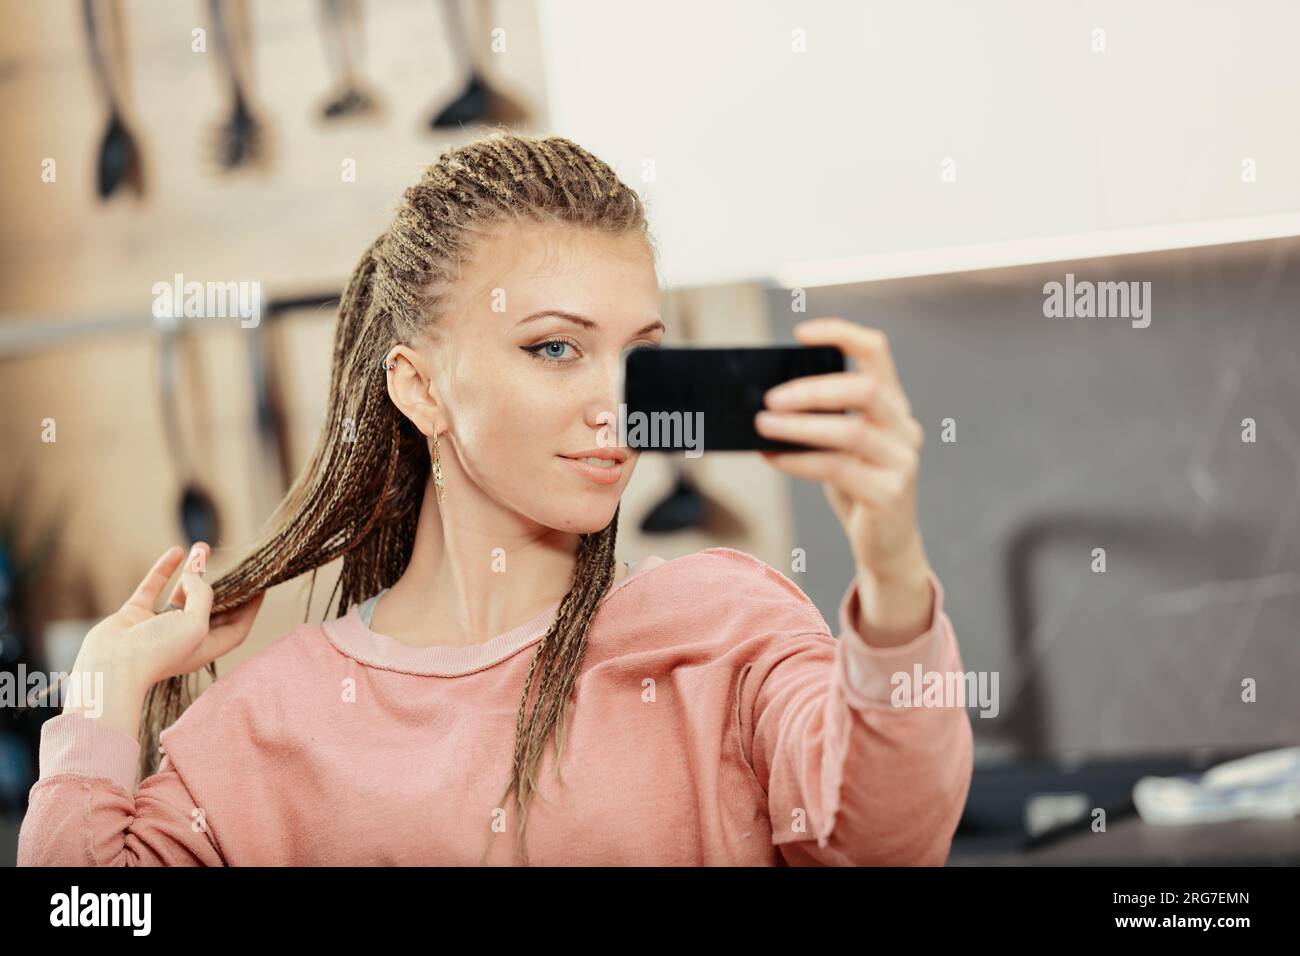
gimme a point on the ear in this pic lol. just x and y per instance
(412, 389)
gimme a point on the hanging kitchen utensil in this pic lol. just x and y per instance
(478, 101)
(273, 474)
(341, 21)
(119, 152)
(198, 512)
(682, 509)
(242, 140)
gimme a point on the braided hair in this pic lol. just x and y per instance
(358, 497)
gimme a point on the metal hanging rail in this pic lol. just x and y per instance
(21, 337)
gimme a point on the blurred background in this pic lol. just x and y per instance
(927, 168)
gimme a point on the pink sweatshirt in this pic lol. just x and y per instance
(716, 722)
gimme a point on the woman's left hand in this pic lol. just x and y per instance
(868, 471)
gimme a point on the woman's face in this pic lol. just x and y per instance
(526, 390)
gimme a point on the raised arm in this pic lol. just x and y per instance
(84, 810)
(852, 779)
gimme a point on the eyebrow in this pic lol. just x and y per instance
(585, 322)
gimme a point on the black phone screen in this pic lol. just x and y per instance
(705, 399)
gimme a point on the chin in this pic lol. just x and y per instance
(585, 518)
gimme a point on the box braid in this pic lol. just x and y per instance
(358, 497)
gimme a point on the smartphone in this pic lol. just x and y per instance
(705, 399)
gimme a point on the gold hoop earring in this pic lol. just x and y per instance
(437, 468)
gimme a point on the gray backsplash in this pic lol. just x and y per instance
(1081, 433)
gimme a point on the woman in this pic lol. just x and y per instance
(700, 710)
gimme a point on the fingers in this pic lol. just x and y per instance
(846, 433)
(229, 629)
(880, 486)
(869, 346)
(198, 599)
(146, 595)
(196, 560)
(837, 391)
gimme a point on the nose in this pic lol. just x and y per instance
(601, 408)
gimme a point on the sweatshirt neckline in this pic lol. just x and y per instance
(353, 637)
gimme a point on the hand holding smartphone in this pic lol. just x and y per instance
(705, 399)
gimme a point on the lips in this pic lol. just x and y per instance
(608, 472)
(605, 454)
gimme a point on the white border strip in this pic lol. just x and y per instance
(1018, 252)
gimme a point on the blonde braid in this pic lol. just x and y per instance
(342, 506)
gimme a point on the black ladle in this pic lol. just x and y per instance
(682, 508)
(198, 512)
(469, 106)
(119, 154)
(241, 139)
(341, 25)
(478, 101)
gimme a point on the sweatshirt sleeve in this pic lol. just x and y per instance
(85, 810)
(852, 779)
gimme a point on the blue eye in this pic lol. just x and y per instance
(541, 352)
(537, 353)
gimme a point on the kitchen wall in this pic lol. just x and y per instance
(1076, 434)
(1071, 435)
(298, 227)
